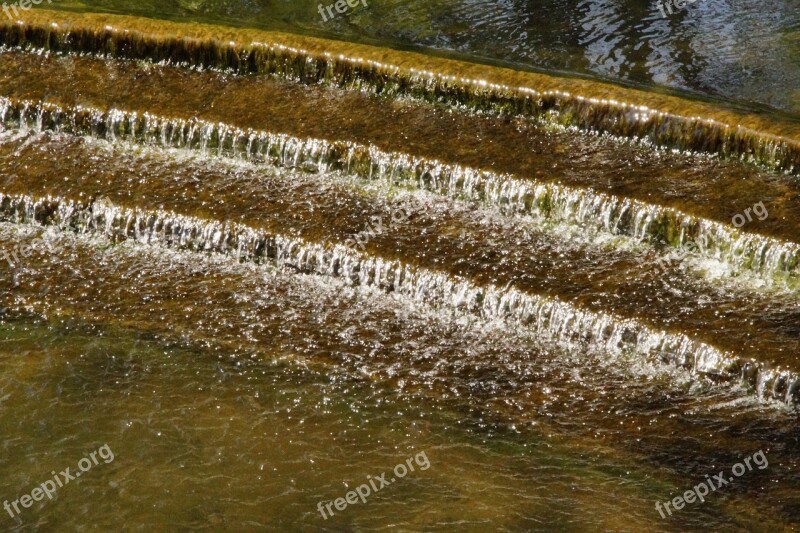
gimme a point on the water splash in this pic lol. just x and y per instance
(772, 259)
(547, 318)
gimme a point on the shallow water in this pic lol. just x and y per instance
(259, 292)
(251, 431)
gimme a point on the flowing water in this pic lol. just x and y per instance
(734, 49)
(261, 275)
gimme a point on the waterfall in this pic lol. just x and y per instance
(313, 67)
(770, 258)
(545, 317)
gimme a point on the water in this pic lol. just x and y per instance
(734, 50)
(251, 457)
(258, 290)
(310, 422)
(581, 206)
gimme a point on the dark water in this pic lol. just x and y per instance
(736, 50)
(258, 293)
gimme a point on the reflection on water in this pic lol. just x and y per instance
(739, 49)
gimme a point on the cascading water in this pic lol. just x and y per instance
(771, 258)
(547, 318)
(307, 66)
(202, 266)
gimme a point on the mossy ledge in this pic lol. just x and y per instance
(664, 121)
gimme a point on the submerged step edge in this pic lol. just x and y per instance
(774, 260)
(547, 318)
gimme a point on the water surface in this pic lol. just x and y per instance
(207, 272)
(733, 50)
